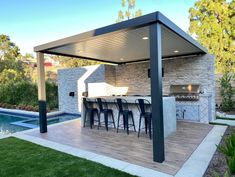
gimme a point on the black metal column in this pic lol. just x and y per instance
(42, 116)
(156, 92)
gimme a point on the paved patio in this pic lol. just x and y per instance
(179, 146)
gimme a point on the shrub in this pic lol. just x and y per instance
(16, 93)
(228, 149)
(10, 74)
(226, 92)
(23, 94)
(52, 95)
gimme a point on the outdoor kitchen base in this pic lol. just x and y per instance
(178, 146)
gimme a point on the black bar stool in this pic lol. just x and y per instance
(91, 112)
(103, 109)
(123, 110)
(144, 108)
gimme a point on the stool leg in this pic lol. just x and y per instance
(84, 123)
(139, 126)
(99, 120)
(118, 121)
(133, 122)
(113, 119)
(124, 121)
(91, 118)
(127, 123)
(97, 114)
(150, 127)
(146, 125)
(106, 120)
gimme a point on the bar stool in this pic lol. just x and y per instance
(123, 110)
(144, 108)
(90, 111)
(103, 109)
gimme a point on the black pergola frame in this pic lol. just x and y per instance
(154, 21)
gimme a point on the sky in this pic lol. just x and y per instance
(33, 22)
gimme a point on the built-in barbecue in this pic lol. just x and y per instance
(187, 92)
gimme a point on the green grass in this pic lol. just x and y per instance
(225, 118)
(217, 123)
(20, 158)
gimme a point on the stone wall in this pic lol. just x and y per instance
(196, 70)
(76, 80)
(132, 79)
(67, 82)
(97, 80)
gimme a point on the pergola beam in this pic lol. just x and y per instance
(156, 92)
(41, 92)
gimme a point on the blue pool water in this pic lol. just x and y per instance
(15, 123)
(6, 127)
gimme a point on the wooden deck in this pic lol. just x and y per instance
(178, 146)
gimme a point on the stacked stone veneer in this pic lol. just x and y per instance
(196, 70)
(67, 82)
(106, 79)
(97, 79)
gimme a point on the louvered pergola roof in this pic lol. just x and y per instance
(125, 42)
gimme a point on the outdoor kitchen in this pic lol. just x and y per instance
(188, 80)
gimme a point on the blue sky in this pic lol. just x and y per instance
(33, 22)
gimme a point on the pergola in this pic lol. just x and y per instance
(150, 37)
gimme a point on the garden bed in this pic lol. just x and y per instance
(218, 164)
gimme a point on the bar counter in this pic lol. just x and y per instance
(169, 110)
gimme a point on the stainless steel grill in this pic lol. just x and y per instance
(187, 92)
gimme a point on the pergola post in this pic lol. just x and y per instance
(41, 92)
(156, 92)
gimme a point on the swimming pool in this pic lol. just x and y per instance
(5, 124)
(10, 123)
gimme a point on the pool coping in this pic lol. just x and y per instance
(23, 124)
(30, 114)
(52, 125)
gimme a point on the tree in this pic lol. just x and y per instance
(128, 12)
(8, 50)
(212, 22)
(10, 67)
(17, 86)
(10, 75)
(70, 62)
(8, 54)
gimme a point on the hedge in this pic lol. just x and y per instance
(23, 93)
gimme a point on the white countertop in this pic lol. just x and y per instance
(129, 99)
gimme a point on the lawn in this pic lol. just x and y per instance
(20, 158)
